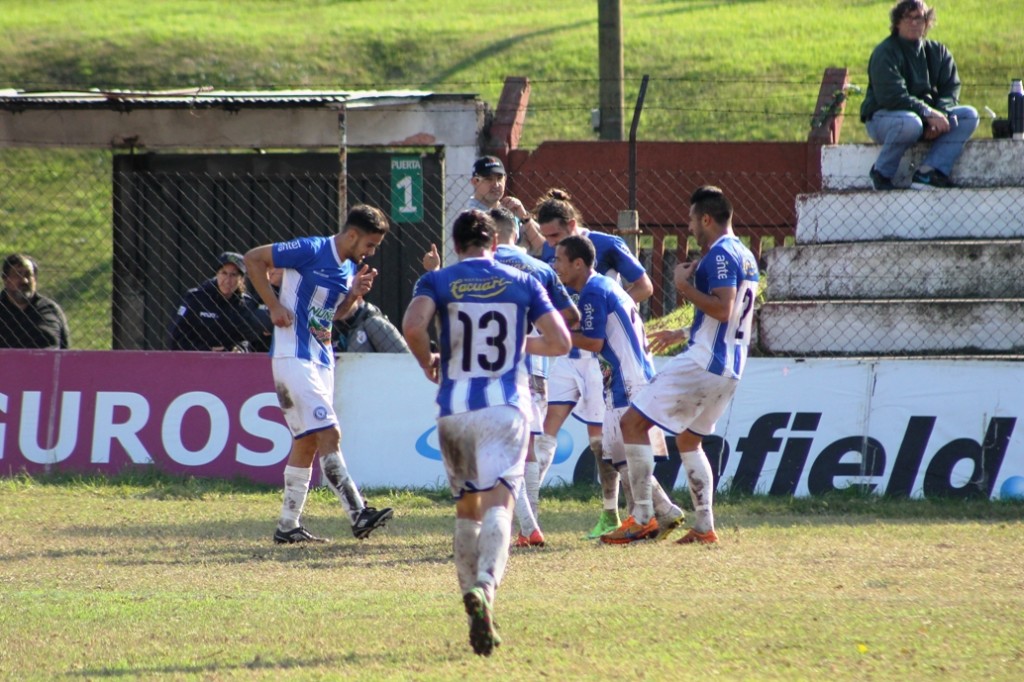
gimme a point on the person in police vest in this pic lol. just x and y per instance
(219, 314)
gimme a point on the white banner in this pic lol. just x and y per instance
(897, 427)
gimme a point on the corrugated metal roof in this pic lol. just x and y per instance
(205, 98)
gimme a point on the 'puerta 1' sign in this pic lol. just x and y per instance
(406, 189)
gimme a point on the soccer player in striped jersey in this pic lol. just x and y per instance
(694, 388)
(575, 384)
(484, 309)
(559, 219)
(611, 327)
(537, 462)
(323, 279)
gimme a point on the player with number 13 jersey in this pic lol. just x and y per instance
(484, 308)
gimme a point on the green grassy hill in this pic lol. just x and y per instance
(719, 70)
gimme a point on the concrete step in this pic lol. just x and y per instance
(929, 214)
(984, 163)
(896, 270)
(873, 327)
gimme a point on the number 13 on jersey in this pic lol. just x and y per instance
(484, 340)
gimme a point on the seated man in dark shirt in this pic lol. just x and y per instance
(28, 320)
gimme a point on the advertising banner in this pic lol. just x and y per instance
(905, 428)
(200, 414)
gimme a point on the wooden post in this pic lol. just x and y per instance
(342, 168)
(507, 127)
(610, 69)
(827, 122)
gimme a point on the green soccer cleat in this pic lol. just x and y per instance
(482, 634)
(608, 522)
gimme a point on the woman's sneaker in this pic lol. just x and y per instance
(933, 179)
(880, 182)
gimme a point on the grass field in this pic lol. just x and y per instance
(166, 579)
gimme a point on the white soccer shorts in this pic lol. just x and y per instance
(578, 382)
(305, 391)
(684, 396)
(484, 448)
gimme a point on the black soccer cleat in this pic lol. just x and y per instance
(300, 534)
(369, 520)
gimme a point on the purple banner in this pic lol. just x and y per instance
(201, 414)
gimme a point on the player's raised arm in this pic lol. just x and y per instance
(640, 289)
(717, 304)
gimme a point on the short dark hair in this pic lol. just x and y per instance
(20, 260)
(367, 219)
(578, 247)
(505, 221)
(711, 201)
(905, 7)
(472, 229)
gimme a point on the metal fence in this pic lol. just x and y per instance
(119, 250)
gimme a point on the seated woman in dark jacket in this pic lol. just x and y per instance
(218, 315)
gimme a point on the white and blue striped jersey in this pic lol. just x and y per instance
(576, 353)
(513, 256)
(485, 309)
(722, 348)
(316, 281)
(607, 312)
(612, 258)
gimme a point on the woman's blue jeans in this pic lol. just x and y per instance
(898, 131)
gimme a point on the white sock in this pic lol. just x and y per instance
(627, 489)
(296, 488)
(607, 475)
(524, 513)
(341, 484)
(531, 484)
(467, 535)
(544, 447)
(663, 504)
(702, 488)
(495, 534)
(640, 462)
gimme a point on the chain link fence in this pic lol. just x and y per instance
(118, 244)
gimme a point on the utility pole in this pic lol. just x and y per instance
(610, 70)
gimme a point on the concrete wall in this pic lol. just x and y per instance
(903, 272)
